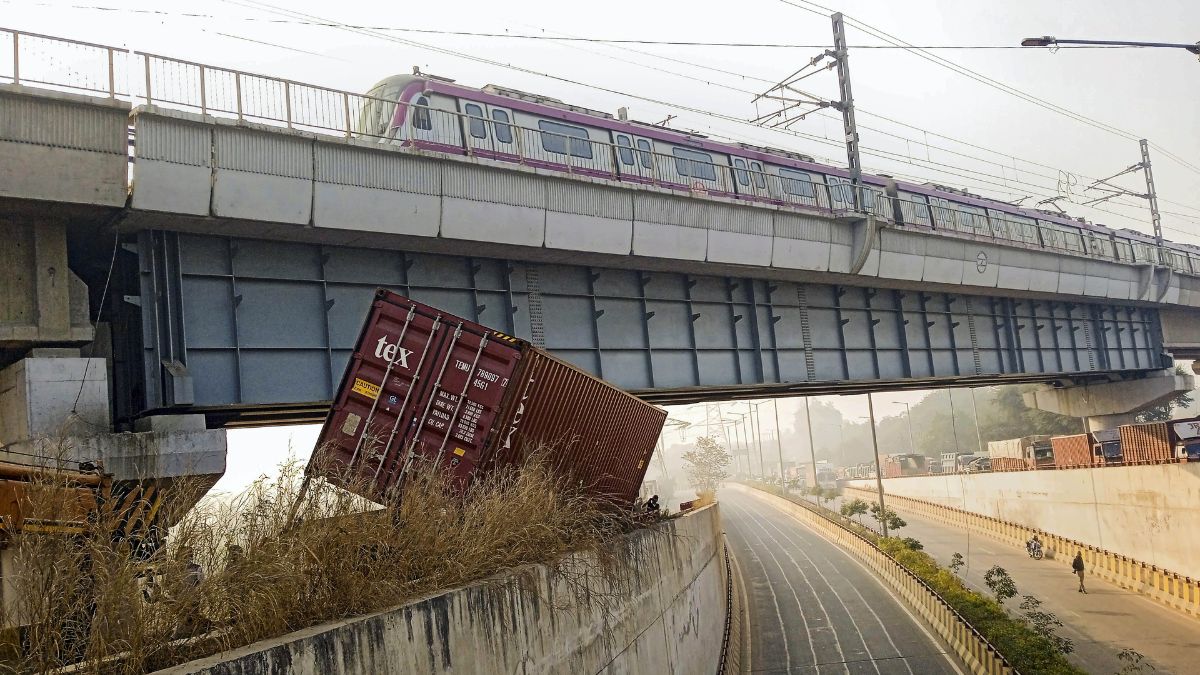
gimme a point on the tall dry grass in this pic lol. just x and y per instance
(88, 605)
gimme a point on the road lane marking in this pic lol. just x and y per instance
(900, 603)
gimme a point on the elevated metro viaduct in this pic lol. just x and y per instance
(243, 257)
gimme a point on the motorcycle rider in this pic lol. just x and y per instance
(1033, 546)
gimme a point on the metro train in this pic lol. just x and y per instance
(436, 114)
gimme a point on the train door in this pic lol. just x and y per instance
(633, 156)
(489, 130)
(749, 178)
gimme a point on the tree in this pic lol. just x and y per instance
(707, 464)
(854, 509)
(1162, 413)
(888, 517)
(913, 544)
(1000, 583)
(1045, 623)
(1133, 661)
(956, 563)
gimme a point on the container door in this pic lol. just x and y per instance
(368, 419)
(468, 380)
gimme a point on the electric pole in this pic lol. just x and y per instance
(794, 100)
(779, 446)
(878, 473)
(1151, 195)
(841, 55)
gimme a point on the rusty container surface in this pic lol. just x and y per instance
(1145, 443)
(427, 388)
(1009, 464)
(591, 431)
(1072, 451)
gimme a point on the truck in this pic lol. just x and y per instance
(1017, 454)
(895, 466)
(1076, 450)
(1107, 446)
(950, 461)
(426, 388)
(1158, 442)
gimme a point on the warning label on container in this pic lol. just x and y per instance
(351, 424)
(365, 388)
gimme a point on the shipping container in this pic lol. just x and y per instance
(1146, 443)
(1009, 448)
(427, 388)
(1073, 451)
(904, 465)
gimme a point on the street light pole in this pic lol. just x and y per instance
(978, 431)
(908, 414)
(812, 446)
(1051, 41)
(878, 472)
(779, 446)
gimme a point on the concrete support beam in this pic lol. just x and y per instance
(52, 394)
(1109, 404)
(41, 300)
(1181, 332)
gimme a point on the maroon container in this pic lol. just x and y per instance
(471, 399)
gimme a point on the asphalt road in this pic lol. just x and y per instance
(816, 610)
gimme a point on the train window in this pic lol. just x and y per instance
(556, 135)
(1124, 252)
(760, 178)
(421, 116)
(694, 164)
(475, 117)
(501, 127)
(796, 183)
(971, 217)
(743, 178)
(914, 209)
(624, 150)
(644, 155)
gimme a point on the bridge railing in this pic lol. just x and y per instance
(61, 64)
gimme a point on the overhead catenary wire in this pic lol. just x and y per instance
(520, 36)
(813, 7)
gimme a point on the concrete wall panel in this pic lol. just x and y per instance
(666, 614)
(1149, 513)
(260, 196)
(661, 240)
(945, 261)
(740, 249)
(800, 255)
(596, 234)
(1013, 269)
(349, 207)
(172, 188)
(499, 223)
(902, 255)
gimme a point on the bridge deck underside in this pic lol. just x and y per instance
(254, 330)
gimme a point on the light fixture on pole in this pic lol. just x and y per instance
(1051, 41)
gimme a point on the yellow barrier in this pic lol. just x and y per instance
(980, 657)
(1164, 586)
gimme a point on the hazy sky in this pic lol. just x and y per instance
(967, 134)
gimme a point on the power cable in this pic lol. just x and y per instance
(519, 36)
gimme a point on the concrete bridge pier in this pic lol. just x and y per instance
(1107, 405)
(55, 403)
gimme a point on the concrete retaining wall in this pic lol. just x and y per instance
(667, 615)
(1148, 513)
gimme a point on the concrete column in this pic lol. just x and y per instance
(1105, 405)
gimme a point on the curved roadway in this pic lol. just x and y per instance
(814, 609)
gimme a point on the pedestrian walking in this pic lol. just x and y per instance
(1078, 566)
